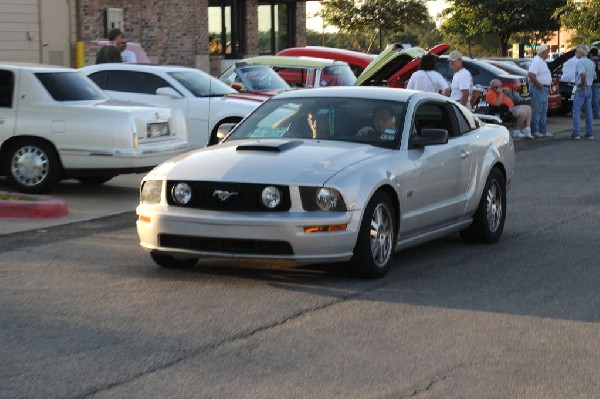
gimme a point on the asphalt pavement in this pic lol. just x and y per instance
(120, 195)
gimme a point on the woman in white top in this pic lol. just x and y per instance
(427, 78)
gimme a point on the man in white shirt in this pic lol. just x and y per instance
(568, 70)
(462, 81)
(540, 79)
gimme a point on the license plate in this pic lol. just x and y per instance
(160, 129)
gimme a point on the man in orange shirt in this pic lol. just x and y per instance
(496, 95)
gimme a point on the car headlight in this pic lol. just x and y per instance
(322, 199)
(181, 193)
(157, 129)
(150, 192)
(271, 197)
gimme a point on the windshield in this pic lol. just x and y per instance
(69, 86)
(368, 121)
(201, 84)
(258, 77)
(337, 75)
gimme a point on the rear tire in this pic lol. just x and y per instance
(376, 241)
(169, 262)
(32, 166)
(488, 221)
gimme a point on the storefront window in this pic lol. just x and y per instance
(224, 27)
(274, 26)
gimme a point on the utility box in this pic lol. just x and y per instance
(113, 18)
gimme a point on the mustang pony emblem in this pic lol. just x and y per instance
(224, 195)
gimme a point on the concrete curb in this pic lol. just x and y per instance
(32, 206)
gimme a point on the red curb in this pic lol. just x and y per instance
(35, 206)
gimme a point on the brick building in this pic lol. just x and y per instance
(207, 34)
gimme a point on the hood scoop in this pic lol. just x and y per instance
(269, 145)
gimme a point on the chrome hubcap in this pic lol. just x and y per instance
(29, 166)
(381, 235)
(494, 206)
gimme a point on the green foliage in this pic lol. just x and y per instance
(470, 19)
(583, 18)
(375, 20)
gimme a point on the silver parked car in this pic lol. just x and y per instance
(332, 175)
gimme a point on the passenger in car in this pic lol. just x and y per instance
(384, 122)
(319, 125)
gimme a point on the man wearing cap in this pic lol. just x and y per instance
(540, 79)
(462, 82)
(111, 52)
(585, 70)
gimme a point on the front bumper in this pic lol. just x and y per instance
(193, 229)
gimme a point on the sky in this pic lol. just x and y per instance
(316, 23)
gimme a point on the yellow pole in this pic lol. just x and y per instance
(79, 54)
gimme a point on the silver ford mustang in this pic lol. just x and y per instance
(348, 174)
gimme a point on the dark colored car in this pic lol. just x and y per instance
(554, 96)
(483, 72)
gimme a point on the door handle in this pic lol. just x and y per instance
(465, 154)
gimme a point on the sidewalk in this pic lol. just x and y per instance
(121, 194)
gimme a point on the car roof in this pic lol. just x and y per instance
(34, 66)
(371, 92)
(138, 67)
(281, 61)
(349, 56)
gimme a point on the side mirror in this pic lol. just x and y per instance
(430, 137)
(168, 92)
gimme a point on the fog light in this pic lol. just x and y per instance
(182, 193)
(271, 197)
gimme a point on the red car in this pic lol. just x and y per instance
(358, 61)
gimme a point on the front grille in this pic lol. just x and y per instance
(226, 245)
(247, 197)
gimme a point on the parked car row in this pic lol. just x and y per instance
(56, 124)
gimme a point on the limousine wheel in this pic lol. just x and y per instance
(488, 222)
(33, 166)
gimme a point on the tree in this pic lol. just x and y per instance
(383, 18)
(503, 18)
(582, 17)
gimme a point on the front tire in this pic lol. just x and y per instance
(488, 221)
(376, 239)
(169, 262)
(32, 166)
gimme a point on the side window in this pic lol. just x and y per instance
(7, 82)
(466, 122)
(295, 77)
(433, 116)
(99, 78)
(443, 67)
(474, 71)
(134, 82)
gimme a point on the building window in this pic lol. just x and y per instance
(275, 24)
(225, 19)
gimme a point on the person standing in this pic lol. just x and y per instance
(593, 55)
(111, 52)
(427, 78)
(585, 70)
(462, 81)
(540, 79)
